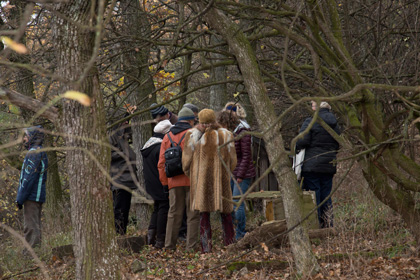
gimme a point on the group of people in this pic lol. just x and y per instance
(216, 165)
(204, 185)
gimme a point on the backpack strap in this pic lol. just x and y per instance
(172, 142)
(179, 143)
(170, 139)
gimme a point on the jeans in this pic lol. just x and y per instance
(239, 216)
(321, 183)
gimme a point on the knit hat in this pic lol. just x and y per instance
(186, 114)
(159, 111)
(207, 116)
(324, 105)
(192, 107)
(163, 127)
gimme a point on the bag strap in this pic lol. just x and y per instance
(172, 142)
(179, 143)
(170, 139)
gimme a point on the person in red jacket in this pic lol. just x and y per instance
(245, 169)
(179, 187)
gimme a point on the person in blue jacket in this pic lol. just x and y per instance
(31, 192)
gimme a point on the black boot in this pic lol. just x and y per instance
(151, 237)
(159, 243)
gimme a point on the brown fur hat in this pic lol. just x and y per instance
(207, 116)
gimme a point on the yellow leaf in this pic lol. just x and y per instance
(17, 47)
(78, 96)
(236, 94)
(206, 75)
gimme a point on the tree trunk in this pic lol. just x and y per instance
(88, 158)
(218, 93)
(55, 193)
(306, 263)
(135, 60)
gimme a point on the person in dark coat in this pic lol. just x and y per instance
(160, 194)
(318, 168)
(123, 173)
(245, 169)
(31, 193)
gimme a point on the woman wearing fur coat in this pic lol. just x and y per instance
(210, 180)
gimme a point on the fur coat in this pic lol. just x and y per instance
(210, 180)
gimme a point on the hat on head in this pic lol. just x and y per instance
(237, 108)
(163, 127)
(192, 107)
(207, 116)
(324, 105)
(159, 111)
(186, 114)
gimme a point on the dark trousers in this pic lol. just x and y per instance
(122, 203)
(32, 222)
(205, 231)
(321, 184)
(159, 218)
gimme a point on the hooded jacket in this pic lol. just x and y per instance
(123, 160)
(320, 147)
(150, 153)
(245, 168)
(33, 175)
(176, 132)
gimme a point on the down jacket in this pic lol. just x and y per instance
(320, 147)
(210, 181)
(245, 168)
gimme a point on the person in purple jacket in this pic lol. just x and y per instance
(245, 169)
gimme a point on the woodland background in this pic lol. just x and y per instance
(273, 57)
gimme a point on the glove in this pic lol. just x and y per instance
(19, 206)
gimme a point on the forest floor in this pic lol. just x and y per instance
(371, 242)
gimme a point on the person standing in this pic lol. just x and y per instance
(162, 113)
(210, 189)
(245, 169)
(31, 193)
(318, 168)
(179, 186)
(160, 194)
(123, 173)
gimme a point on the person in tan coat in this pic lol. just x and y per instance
(210, 180)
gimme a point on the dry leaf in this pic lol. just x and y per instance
(78, 96)
(17, 47)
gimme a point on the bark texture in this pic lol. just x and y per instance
(137, 75)
(88, 160)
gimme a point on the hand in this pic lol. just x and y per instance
(19, 206)
(239, 180)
